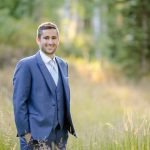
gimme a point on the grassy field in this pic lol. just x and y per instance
(108, 113)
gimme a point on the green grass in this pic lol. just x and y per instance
(107, 115)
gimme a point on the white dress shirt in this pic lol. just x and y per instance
(51, 65)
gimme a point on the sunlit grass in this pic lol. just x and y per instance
(8, 139)
(107, 115)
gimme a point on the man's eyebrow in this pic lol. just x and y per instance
(46, 36)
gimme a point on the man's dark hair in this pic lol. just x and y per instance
(44, 26)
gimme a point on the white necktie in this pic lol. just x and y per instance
(54, 70)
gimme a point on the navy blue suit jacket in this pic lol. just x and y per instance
(33, 97)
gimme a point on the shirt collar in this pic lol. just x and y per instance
(46, 58)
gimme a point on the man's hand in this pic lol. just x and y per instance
(27, 137)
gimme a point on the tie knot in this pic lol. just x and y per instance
(52, 64)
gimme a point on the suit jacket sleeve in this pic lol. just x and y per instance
(21, 93)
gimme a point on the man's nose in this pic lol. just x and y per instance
(50, 41)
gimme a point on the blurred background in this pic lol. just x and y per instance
(107, 46)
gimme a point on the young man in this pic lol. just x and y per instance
(41, 95)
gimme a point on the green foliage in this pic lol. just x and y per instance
(130, 35)
(123, 32)
(19, 21)
(18, 8)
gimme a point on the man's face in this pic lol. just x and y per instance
(49, 41)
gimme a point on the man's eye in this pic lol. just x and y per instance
(54, 37)
(46, 38)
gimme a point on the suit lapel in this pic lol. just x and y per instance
(64, 75)
(47, 76)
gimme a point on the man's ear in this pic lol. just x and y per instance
(37, 40)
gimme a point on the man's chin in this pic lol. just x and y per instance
(49, 52)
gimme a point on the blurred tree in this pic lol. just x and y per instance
(129, 28)
(118, 30)
(18, 8)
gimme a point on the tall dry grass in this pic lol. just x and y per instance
(108, 114)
